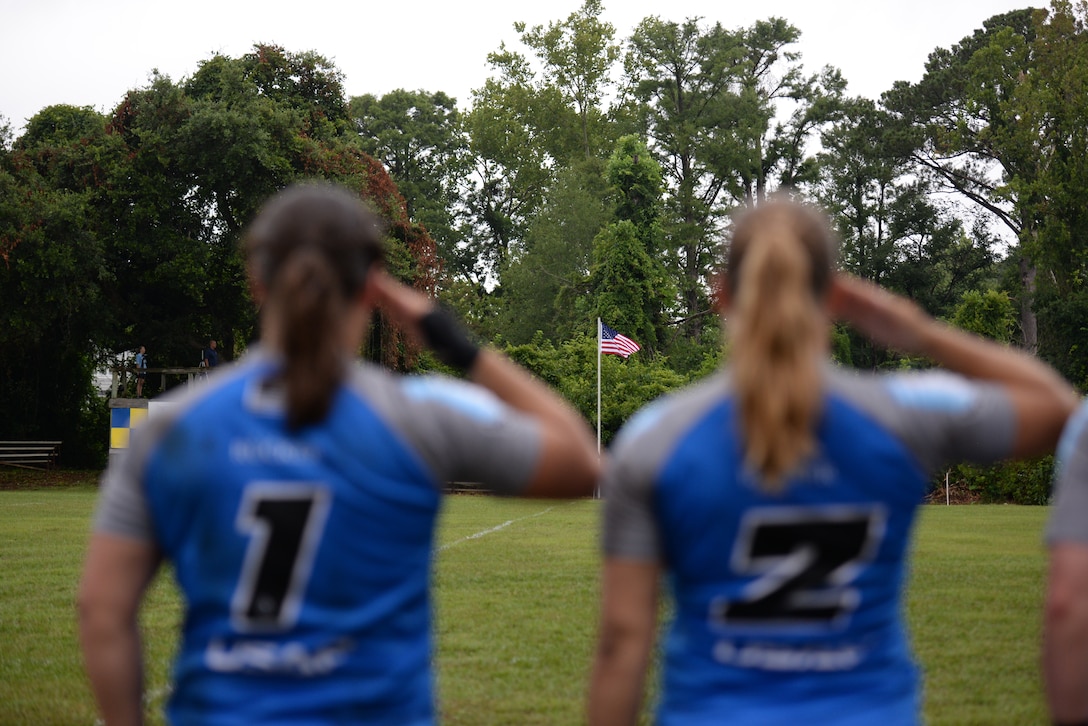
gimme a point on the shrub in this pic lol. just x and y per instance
(1010, 482)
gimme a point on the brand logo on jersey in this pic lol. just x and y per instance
(770, 657)
(266, 656)
(271, 451)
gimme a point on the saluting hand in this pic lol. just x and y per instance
(883, 317)
(403, 304)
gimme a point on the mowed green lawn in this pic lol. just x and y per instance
(516, 598)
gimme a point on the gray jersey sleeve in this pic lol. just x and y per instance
(1069, 511)
(122, 506)
(462, 431)
(941, 417)
(630, 526)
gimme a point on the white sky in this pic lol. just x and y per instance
(89, 53)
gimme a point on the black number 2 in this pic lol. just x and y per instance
(284, 523)
(805, 561)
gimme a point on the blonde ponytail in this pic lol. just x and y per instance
(780, 267)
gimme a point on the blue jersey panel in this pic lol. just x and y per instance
(795, 595)
(300, 554)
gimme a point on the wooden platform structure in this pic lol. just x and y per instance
(122, 377)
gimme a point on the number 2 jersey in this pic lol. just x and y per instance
(304, 557)
(788, 607)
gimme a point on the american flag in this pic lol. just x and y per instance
(613, 342)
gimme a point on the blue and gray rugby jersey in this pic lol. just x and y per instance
(304, 556)
(1069, 513)
(787, 607)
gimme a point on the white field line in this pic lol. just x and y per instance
(496, 528)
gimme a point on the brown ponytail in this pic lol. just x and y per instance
(780, 262)
(311, 248)
(311, 338)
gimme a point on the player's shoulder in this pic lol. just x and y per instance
(401, 394)
(1074, 437)
(934, 390)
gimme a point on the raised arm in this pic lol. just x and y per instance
(569, 464)
(1042, 399)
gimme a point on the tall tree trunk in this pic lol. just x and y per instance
(1029, 325)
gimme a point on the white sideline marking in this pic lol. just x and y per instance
(496, 528)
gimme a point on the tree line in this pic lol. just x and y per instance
(588, 176)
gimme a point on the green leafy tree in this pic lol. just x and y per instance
(577, 56)
(511, 172)
(1000, 122)
(710, 97)
(545, 287)
(51, 280)
(937, 260)
(988, 313)
(124, 231)
(635, 178)
(773, 154)
(307, 82)
(419, 138)
(525, 126)
(681, 76)
(1052, 101)
(892, 231)
(628, 286)
(636, 183)
(860, 169)
(970, 135)
(158, 235)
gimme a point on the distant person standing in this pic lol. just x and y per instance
(209, 358)
(141, 371)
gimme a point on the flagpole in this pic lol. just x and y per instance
(599, 335)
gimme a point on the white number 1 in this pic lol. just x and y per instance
(284, 522)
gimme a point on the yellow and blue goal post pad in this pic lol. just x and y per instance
(124, 418)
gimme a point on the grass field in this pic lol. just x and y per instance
(516, 592)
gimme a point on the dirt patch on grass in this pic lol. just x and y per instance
(957, 494)
(18, 479)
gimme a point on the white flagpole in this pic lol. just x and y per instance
(600, 335)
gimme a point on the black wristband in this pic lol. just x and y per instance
(450, 343)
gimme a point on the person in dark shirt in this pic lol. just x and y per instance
(209, 358)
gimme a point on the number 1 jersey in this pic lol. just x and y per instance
(304, 556)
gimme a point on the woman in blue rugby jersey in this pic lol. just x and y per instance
(295, 494)
(778, 496)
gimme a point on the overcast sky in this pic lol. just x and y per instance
(89, 53)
